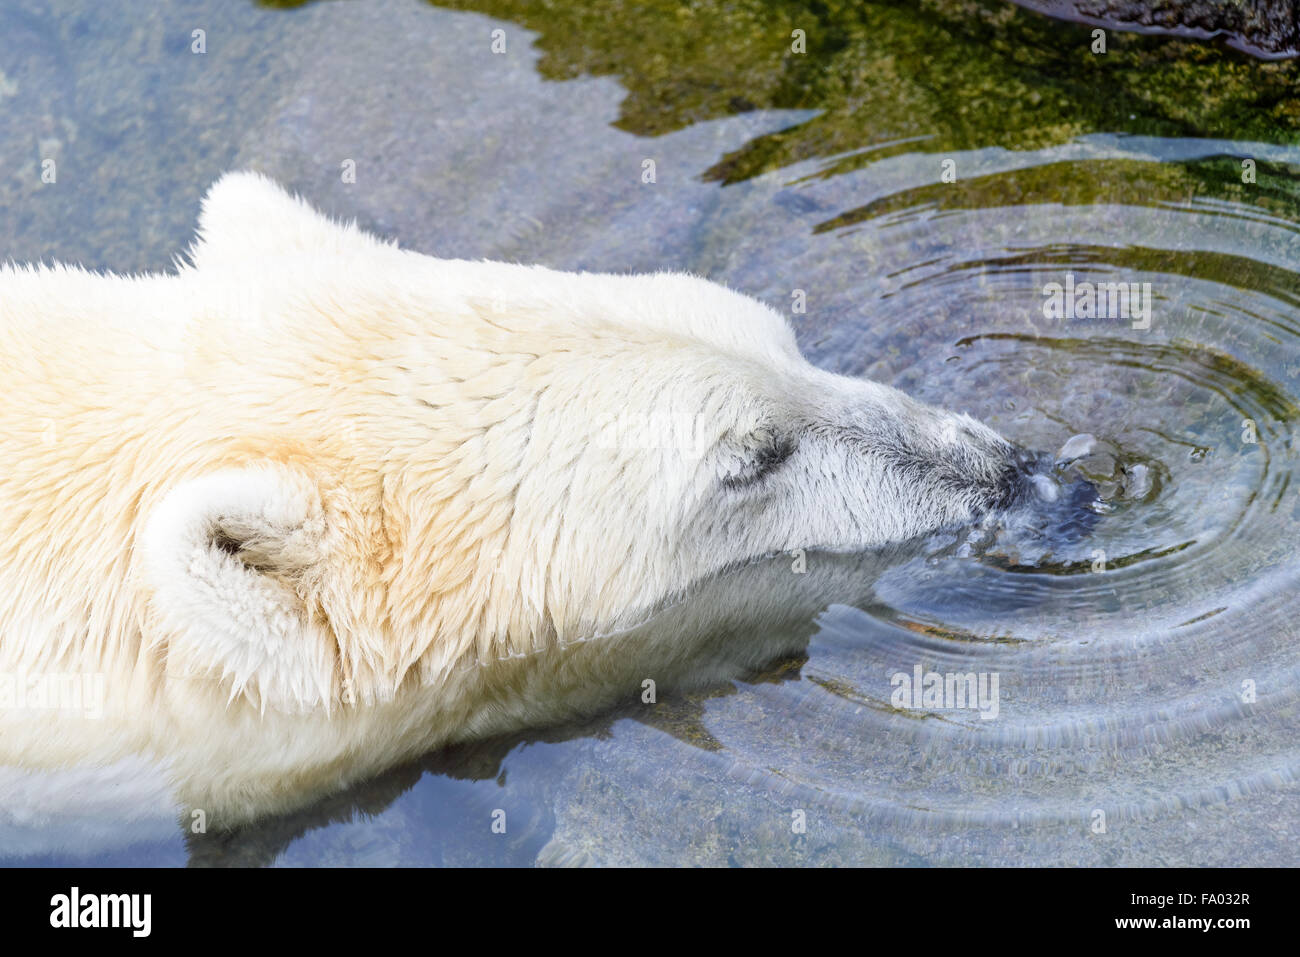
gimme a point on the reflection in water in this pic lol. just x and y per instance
(1147, 669)
(751, 623)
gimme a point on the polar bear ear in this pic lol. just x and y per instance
(247, 219)
(229, 559)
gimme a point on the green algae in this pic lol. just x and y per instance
(886, 77)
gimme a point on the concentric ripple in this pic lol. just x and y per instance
(1145, 668)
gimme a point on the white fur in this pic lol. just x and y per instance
(314, 504)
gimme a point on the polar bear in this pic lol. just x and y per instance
(315, 504)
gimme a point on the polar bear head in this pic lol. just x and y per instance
(427, 462)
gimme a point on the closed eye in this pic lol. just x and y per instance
(766, 460)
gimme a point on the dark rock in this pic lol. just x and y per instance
(1265, 28)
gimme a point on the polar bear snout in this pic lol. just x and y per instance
(1017, 483)
(1061, 505)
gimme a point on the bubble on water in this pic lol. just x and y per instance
(1045, 487)
(1076, 447)
(1138, 481)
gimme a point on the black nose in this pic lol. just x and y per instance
(1016, 485)
(1063, 505)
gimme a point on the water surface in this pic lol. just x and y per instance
(1147, 672)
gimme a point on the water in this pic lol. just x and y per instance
(1147, 671)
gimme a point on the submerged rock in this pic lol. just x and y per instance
(1265, 28)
